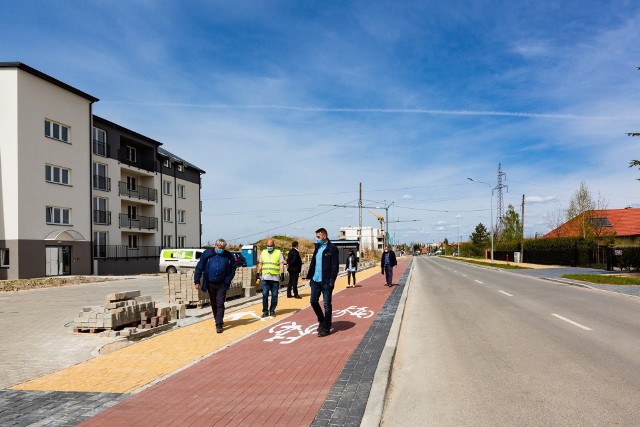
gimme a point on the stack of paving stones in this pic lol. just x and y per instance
(120, 309)
(179, 289)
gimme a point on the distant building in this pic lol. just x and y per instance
(372, 238)
(623, 224)
(80, 194)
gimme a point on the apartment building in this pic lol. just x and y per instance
(80, 194)
(372, 238)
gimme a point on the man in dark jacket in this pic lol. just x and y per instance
(323, 272)
(387, 263)
(294, 267)
(217, 268)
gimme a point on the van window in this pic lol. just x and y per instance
(198, 254)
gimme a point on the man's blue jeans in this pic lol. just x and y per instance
(324, 319)
(270, 286)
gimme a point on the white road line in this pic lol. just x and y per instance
(507, 294)
(572, 322)
(478, 281)
(464, 275)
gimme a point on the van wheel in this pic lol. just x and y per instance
(171, 269)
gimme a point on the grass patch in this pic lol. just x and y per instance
(604, 279)
(489, 264)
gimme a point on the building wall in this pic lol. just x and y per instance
(370, 237)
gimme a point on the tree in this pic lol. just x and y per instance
(555, 219)
(581, 202)
(479, 239)
(510, 226)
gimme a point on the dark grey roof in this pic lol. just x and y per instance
(177, 159)
(40, 74)
(125, 130)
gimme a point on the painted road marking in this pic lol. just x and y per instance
(478, 281)
(506, 293)
(572, 322)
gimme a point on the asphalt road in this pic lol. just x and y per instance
(480, 347)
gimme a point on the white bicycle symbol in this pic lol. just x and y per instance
(289, 332)
(359, 312)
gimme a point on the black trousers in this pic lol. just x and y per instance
(293, 284)
(217, 295)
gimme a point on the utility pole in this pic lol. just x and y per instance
(522, 240)
(360, 223)
(499, 187)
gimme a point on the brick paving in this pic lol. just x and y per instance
(282, 375)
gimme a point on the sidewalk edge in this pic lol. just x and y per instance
(377, 396)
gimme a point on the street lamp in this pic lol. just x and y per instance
(483, 182)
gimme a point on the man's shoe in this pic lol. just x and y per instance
(273, 314)
(219, 329)
(265, 314)
(289, 296)
(323, 333)
(298, 297)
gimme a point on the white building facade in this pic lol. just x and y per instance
(372, 238)
(80, 194)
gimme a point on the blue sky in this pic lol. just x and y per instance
(289, 105)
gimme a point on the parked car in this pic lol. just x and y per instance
(240, 260)
(173, 260)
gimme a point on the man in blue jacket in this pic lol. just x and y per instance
(217, 268)
(323, 272)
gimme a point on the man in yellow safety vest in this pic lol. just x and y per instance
(271, 269)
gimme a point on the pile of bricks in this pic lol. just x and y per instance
(178, 288)
(127, 312)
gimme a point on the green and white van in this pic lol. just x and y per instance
(173, 260)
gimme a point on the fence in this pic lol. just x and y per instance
(602, 257)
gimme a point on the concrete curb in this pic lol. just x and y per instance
(377, 396)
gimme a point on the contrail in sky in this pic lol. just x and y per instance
(363, 110)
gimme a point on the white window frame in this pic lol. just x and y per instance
(166, 240)
(132, 154)
(166, 187)
(180, 167)
(132, 183)
(132, 212)
(100, 141)
(50, 172)
(57, 131)
(180, 191)
(100, 170)
(133, 241)
(53, 212)
(167, 214)
(97, 237)
(167, 163)
(4, 258)
(182, 214)
(182, 240)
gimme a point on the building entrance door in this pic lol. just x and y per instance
(58, 260)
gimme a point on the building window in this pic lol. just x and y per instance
(133, 241)
(56, 215)
(4, 257)
(56, 174)
(181, 216)
(100, 242)
(167, 215)
(131, 154)
(101, 214)
(132, 183)
(182, 240)
(56, 131)
(100, 142)
(132, 212)
(180, 191)
(167, 163)
(166, 187)
(180, 167)
(166, 241)
(100, 179)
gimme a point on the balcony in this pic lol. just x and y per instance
(125, 252)
(101, 183)
(142, 160)
(137, 192)
(101, 148)
(102, 217)
(139, 222)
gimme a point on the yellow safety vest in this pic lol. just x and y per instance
(270, 262)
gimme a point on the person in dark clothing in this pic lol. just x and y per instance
(294, 267)
(387, 263)
(351, 266)
(216, 268)
(323, 272)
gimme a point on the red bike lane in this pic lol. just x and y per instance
(280, 375)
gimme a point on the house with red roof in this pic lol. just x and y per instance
(621, 224)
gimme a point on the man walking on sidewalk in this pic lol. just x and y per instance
(271, 268)
(323, 272)
(217, 268)
(387, 263)
(294, 266)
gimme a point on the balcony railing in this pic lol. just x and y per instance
(101, 148)
(101, 183)
(125, 252)
(139, 222)
(102, 217)
(137, 192)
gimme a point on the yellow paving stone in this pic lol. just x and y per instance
(135, 366)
